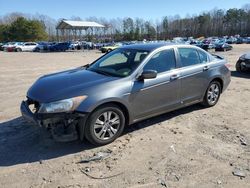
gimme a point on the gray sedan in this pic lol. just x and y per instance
(125, 86)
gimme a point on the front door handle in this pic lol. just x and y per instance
(174, 77)
(206, 68)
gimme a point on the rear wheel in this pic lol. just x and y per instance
(212, 94)
(104, 125)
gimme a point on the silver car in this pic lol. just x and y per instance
(125, 86)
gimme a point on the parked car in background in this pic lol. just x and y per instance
(88, 45)
(43, 46)
(75, 46)
(127, 85)
(243, 63)
(59, 47)
(205, 44)
(239, 40)
(199, 44)
(222, 46)
(10, 46)
(231, 40)
(1, 46)
(247, 40)
(109, 48)
(25, 47)
(99, 45)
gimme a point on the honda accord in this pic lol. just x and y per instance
(126, 85)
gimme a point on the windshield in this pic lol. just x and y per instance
(120, 62)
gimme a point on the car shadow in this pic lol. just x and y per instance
(161, 118)
(240, 74)
(22, 142)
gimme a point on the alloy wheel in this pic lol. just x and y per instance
(213, 94)
(107, 125)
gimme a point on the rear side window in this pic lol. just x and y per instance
(203, 57)
(189, 56)
(162, 61)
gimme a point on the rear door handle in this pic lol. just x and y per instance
(174, 77)
(206, 68)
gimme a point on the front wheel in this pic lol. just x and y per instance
(18, 49)
(239, 66)
(212, 94)
(104, 125)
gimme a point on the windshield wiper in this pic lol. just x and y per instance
(84, 67)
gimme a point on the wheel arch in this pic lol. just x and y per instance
(19, 49)
(119, 104)
(220, 80)
(216, 78)
(92, 105)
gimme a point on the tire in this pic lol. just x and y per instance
(99, 129)
(239, 67)
(212, 94)
(18, 49)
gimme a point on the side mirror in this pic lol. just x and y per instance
(148, 74)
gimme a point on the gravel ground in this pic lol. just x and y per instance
(191, 147)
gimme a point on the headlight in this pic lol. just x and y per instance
(66, 105)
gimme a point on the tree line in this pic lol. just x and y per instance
(217, 22)
(22, 29)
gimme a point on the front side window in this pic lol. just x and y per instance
(189, 56)
(120, 62)
(162, 61)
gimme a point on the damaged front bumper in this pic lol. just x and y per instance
(27, 113)
(62, 125)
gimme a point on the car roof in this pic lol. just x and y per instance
(150, 46)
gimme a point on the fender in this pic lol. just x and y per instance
(89, 106)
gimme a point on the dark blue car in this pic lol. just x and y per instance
(59, 47)
(222, 46)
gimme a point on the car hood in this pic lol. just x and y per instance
(65, 85)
